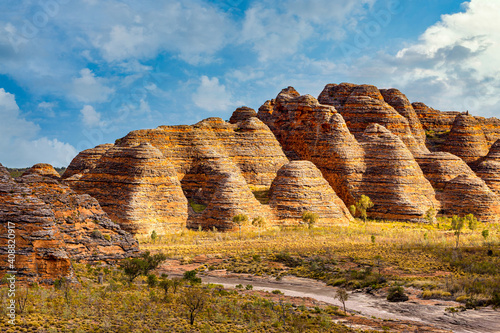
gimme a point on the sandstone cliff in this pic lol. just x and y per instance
(86, 160)
(299, 187)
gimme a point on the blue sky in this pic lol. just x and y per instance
(78, 73)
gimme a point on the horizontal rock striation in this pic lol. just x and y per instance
(86, 160)
(393, 179)
(470, 195)
(308, 130)
(43, 169)
(86, 230)
(362, 105)
(434, 120)
(488, 168)
(40, 252)
(466, 139)
(300, 187)
(138, 188)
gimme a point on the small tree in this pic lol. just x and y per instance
(259, 222)
(430, 215)
(342, 295)
(152, 280)
(154, 236)
(485, 233)
(135, 267)
(194, 299)
(364, 203)
(352, 209)
(310, 218)
(457, 224)
(239, 220)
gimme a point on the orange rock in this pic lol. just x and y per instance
(470, 195)
(299, 187)
(466, 139)
(86, 160)
(393, 179)
(308, 130)
(40, 252)
(138, 188)
(488, 168)
(43, 169)
(434, 120)
(362, 105)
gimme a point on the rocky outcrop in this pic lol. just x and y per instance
(86, 160)
(470, 195)
(434, 120)
(43, 169)
(402, 105)
(299, 187)
(488, 168)
(242, 114)
(466, 139)
(393, 179)
(362, 105)
(40, 254)
(439, 168)
(308, 130)
(491, 128)
(138, 188)
(86, 230)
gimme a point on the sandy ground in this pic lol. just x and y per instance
(369, 310)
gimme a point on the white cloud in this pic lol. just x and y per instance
(48, 108)
(89, 88)
(19, 145)
(453, 66)
(90, 117)
(283, 30)
(212, 96)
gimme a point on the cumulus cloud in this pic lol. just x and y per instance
(281, 31)
(19, 144)
(90, 117)
(89, 88)
(212, 96)
(455, 63)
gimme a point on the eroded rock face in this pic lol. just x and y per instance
(434, 120)
(86, 160)
(491, 128)
(402, 105)
(299, 187)
(470, 195)
(362, 105)
(308, 130)
(40, 251)
(138, 188)
(86, 230)
(466, 139)
(242, 114)
(488, 168)
(43, 169)
(393, 179)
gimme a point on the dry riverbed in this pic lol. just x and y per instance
(368, 310)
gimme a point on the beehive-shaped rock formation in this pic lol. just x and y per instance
(242, 114)
(40, 253)
(43, 169)
(434, 120)
(86, 160)
(299, 187)
(362, 105)
(393, 179)
(138, 188)
(402, 105)
(311, 131)
(466, 139)
(470, 195)
(488, 168)
(86, 230)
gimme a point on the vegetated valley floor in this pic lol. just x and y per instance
(285, 281)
